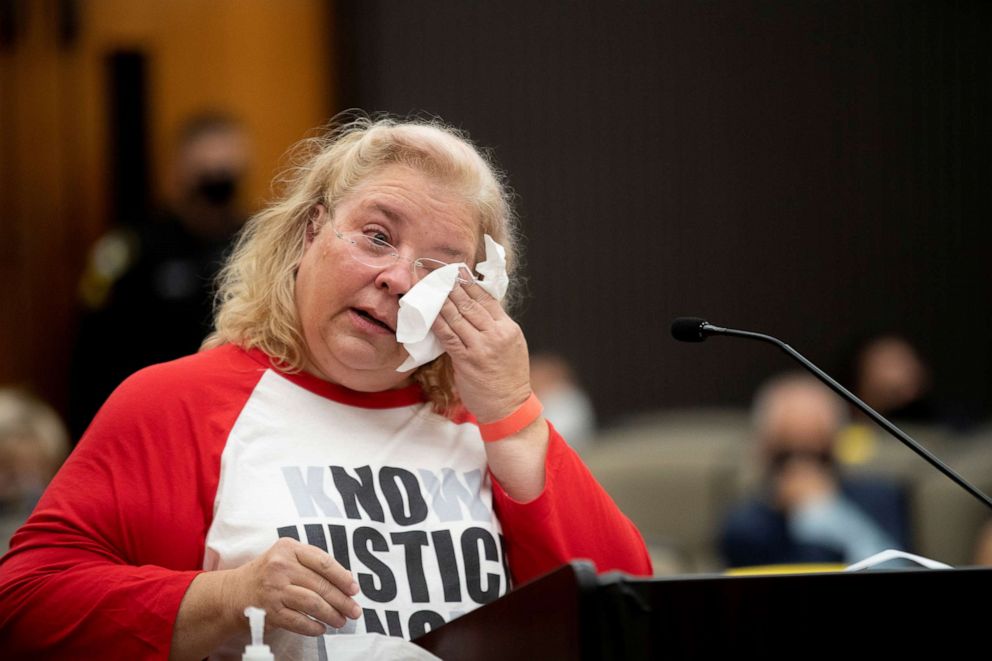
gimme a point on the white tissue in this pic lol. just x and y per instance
(420, 306)
(494, 270)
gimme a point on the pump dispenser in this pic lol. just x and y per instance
(257, 651)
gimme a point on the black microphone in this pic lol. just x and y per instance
(693, 329)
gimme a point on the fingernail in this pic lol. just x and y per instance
(353, 590)
(356, 612)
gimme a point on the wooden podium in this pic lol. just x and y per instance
(571, 613)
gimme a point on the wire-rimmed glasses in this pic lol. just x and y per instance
(368, 250)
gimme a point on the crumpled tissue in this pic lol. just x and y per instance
(420, 306)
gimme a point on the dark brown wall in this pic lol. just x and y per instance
(816, 170)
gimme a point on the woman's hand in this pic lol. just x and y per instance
(492, 375)
(290, 581)
(488, 353)
(293, 580)
(801, 482)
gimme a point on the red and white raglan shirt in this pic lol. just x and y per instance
(204, 462)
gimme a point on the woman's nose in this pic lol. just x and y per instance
(396, 278)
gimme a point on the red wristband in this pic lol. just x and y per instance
(513, 423)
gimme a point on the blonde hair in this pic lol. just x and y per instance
(255, 305)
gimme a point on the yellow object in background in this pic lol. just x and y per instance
(856, 444)
(766, 570)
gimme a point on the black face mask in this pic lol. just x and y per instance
(216, 189)
(781, 458)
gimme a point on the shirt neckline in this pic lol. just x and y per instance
(385, 399)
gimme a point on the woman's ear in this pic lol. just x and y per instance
(315, 221)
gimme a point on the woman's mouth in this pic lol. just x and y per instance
(366, 317)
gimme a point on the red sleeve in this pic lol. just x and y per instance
(572, 519)
(102, 564)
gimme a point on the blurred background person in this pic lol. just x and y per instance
(33, 444)
(566, 404)
(806, 511)
(148, 288)
(891, 375)
(892, 378)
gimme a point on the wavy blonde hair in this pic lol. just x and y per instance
(255, 305)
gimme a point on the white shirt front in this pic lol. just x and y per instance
(399, 495)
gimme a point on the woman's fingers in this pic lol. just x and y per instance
(291, 619)
(484, 298)
(325, 578)
(331, 599)
(453, 330)
(471, 309)
(321, 563)
(294, 582)
(488, 352)
(314, 606)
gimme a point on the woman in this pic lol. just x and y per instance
(294, 462)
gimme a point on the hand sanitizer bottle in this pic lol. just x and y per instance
(257, 651)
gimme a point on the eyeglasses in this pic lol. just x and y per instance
(373, 252)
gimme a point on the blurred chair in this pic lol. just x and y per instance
(674, 474)
(948, 520)
(868, 449)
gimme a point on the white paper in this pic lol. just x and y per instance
(891, 554)
(374, 647)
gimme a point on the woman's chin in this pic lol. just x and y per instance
(359, 365)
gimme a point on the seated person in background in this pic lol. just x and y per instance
(891, 378)
(33, 444)
(806, 511)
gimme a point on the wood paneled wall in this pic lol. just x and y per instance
(268, 63)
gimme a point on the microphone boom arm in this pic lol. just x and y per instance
(709, 329)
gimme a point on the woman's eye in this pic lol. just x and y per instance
(380, 239)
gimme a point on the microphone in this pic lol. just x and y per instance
(693, 329)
